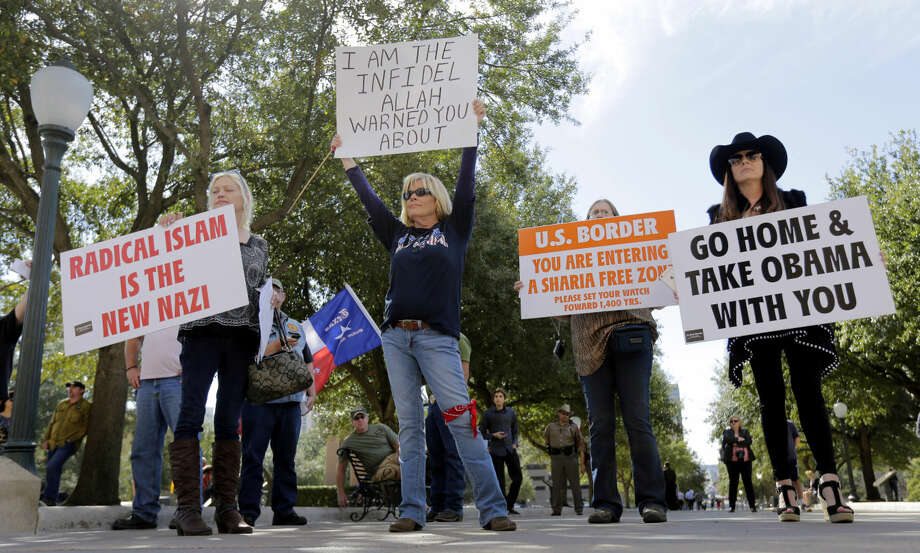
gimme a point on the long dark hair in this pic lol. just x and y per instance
(734, 203)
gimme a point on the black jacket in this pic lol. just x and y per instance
(791, 198)
(729, 440)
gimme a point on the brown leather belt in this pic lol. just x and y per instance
(411, 324)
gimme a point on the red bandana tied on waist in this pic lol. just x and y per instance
(457, 410)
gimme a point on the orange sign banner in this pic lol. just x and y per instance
(597, 265)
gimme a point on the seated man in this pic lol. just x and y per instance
(376, 445)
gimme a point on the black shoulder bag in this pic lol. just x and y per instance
(279, 374)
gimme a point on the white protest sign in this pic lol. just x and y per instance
(597, 265)
(150, 280)
(406, 97)
(787, 269)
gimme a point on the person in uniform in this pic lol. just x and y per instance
(564, 444)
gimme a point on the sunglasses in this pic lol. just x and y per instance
(357, 417)
(420, 192)
(733, 421)
(738, 158)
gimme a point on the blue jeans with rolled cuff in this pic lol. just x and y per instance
(411, 355)
(625, 374)
(157, 401)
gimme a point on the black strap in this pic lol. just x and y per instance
(284, 342)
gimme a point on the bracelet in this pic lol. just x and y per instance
(131, 367)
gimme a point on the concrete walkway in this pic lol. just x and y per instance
(686, 532)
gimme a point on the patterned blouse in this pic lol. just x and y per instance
(255, 267)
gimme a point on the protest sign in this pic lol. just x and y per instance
(597, 265)
(787, 269)
(150, 280)
(406, 97)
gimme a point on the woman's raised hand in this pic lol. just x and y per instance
(168, 219)
(518, 285)
(479, 109)
(347, 162)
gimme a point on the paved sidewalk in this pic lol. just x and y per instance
(687, 532)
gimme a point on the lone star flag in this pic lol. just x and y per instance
(339, 332)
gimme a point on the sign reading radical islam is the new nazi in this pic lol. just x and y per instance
(598, 265)
(790, 268)
(407, 96)
(150, 280)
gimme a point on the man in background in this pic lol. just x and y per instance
(447, 483)
(155, 377)
(275, 422)
(64, 437)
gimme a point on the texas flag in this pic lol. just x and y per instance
(339, 332)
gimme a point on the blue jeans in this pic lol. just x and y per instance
(157, 408)
(203, 355)
(625, 374)
(447, 482)
(56, 459)
(409, 356)
(278, 423)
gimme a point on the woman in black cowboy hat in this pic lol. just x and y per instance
(748, 169)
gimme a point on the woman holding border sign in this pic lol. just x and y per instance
(613, 357)
(427, 246)
(225, 343)
(748, 169)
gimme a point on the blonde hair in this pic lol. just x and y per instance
(237, 177)
(443, 204)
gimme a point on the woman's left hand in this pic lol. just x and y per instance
(479, 109)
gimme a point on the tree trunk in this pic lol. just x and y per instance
(868, 471)
(98, 482)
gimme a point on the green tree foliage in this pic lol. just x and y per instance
(185, 88)
(880, 384)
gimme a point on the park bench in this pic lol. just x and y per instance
(369, 495)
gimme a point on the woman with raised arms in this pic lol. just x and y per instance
(421, 328)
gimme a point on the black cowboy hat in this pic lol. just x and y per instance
(771, 148)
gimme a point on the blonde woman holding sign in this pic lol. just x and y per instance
(225, 344)
(427, 246)
(613, 358)
(748, 169)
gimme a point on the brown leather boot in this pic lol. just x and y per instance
(226, 474)
(185, 460)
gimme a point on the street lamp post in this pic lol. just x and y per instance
(61, 98)
(840, 410)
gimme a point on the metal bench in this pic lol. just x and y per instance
(369, 495)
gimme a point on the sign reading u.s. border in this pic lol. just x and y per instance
(597, 265)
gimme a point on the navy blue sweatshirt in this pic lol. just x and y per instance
(426, 265)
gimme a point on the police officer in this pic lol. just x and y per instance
(276, 422)
(564, 444)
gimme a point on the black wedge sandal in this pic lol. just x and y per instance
(836, 512)
(790, 512)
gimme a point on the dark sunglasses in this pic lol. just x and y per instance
(750, 156)
(357, 417)
(733, 421)
(420, 192)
